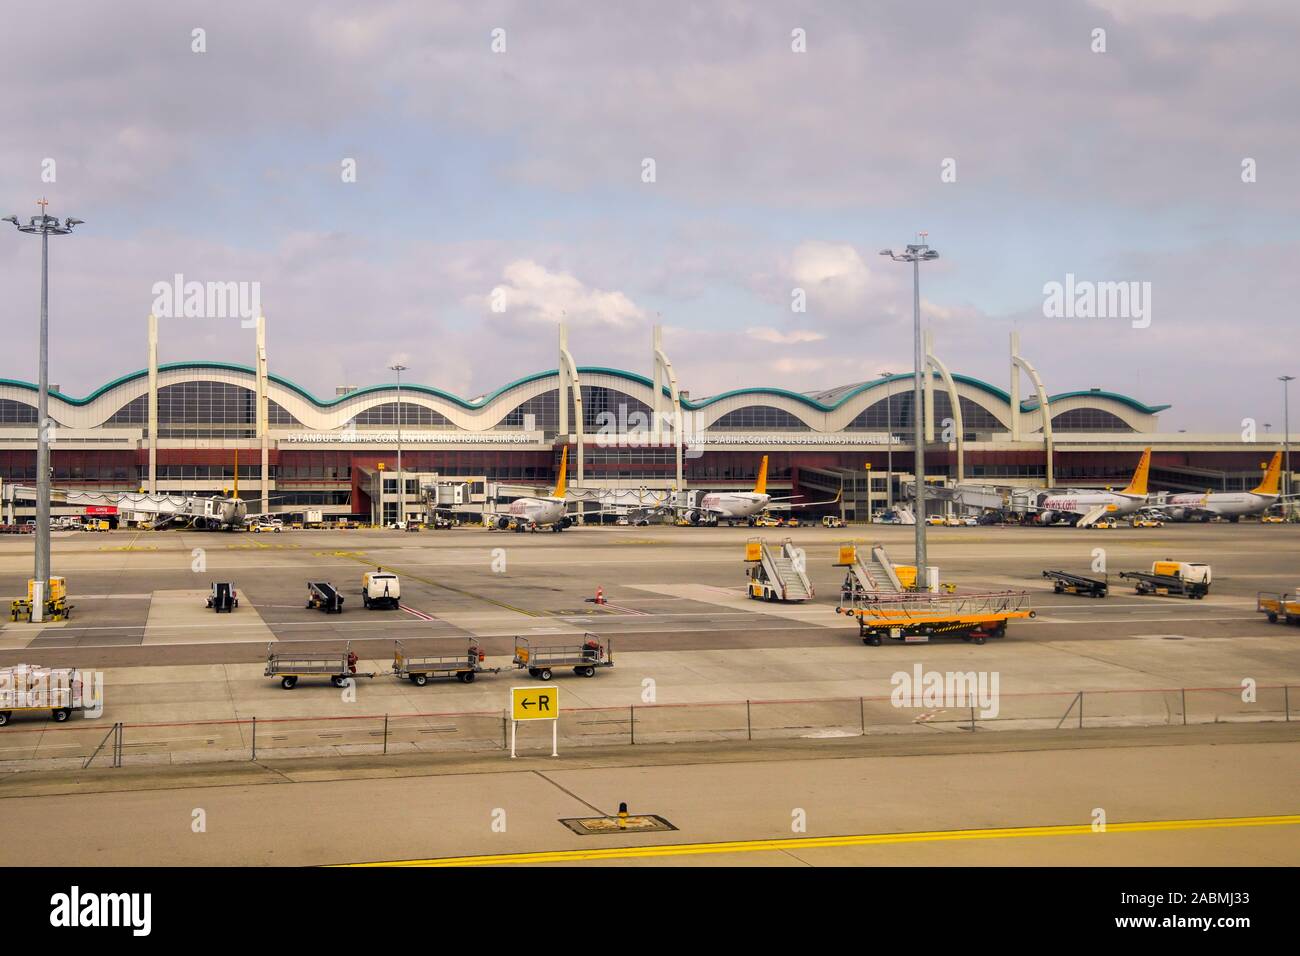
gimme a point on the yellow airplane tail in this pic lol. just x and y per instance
(1138, 486)
(760, 486)
(564, 467)
(1272, 477)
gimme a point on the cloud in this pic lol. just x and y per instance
(777, 337)
(531, 293)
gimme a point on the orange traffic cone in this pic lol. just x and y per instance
(600, 594)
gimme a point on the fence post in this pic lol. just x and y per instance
(505, 730)
(117, 756)
(1286, 697)
(1183, 690)
(862, 715)
(972, 716)
(749, 724)
(385, 733)
(254, 738)
(1081, 710)
(631, 722)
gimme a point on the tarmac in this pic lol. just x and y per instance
(684, 634)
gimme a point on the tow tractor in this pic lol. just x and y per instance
(288, 665)
(1284, 607)
(917, 616)
(1168, 578)
(380, 588)
(419, 669)
(584, 658)
(1067, 582)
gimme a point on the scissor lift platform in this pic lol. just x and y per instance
(916, 617)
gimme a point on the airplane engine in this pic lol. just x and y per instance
(502, 523)
(1047, 517)
(566, 522)
(693, 517)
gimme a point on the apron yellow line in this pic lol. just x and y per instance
(819, 843)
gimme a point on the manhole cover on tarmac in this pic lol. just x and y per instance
(595, 826)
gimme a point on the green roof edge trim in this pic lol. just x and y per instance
(691, 404)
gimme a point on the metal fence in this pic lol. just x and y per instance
(36, 745)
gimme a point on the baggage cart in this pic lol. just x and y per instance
(420, 668)
(542, 659)
(289, 665)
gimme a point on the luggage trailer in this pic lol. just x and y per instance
(1067, 582)
(583, 658)
(1284, 607)
(916, 617)
(289, 665)
(420, 668)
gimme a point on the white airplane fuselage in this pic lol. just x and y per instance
(734, 505)
(542, 512)
(1080, 503)
(1229, 504)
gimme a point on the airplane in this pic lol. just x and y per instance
(1088, 506)
(732, 506)
(1228, 504)
(543, 511)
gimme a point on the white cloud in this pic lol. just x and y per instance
(532, 293)
(777, 337)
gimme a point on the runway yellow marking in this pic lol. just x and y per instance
(830, 843)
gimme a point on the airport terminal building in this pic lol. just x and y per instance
(178, 428)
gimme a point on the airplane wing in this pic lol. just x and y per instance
(807, 504)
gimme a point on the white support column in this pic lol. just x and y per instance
(1019, 362)
(263, 413)
(664, 375)
(570, 384)
(152, 483)
(959, 426)
(1015, 387)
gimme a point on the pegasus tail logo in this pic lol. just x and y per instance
(1138, 486)
(1272, 477)
(760, 486)
(564, 467)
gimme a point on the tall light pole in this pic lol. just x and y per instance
(889, 438)
(1286, 381)
(916, 253)
(43, 226)
(401, 479)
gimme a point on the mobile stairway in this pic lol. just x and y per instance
(1094, 515)
(777, 575)
(870, 574)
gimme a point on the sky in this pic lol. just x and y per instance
(728, 170)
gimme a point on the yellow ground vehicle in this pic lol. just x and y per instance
(1106, 523)
(916, 617)
(1284, 607)
(1272, 519)
(792, 522)
(1147, 523)
(832, 521)
(766, 521)
(935, 520)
